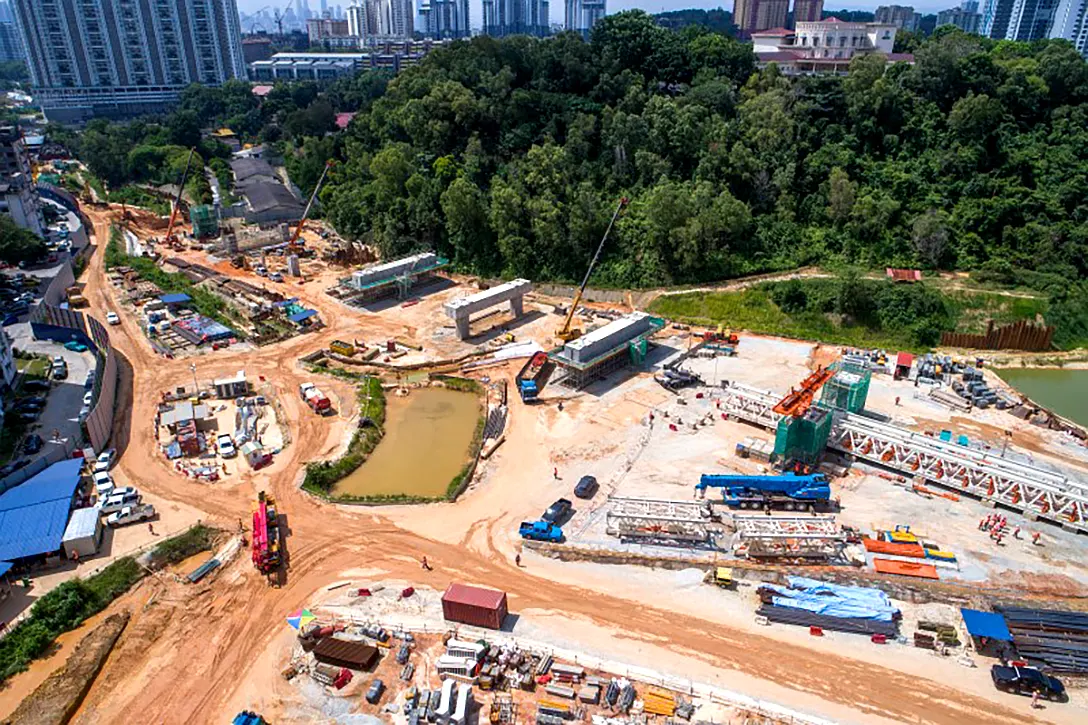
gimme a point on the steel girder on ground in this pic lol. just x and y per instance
(794, 527)
(751, 405)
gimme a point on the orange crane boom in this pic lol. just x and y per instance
(292, 246)
(797, 402)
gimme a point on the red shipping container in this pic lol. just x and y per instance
(475, 606)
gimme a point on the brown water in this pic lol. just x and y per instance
(428, 435)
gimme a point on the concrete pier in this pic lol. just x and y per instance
(461, 310)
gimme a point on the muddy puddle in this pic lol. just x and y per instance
(428, 436)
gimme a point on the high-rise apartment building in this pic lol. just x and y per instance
(901, 16)
(807, 11)
(11, 45)
(996, 15)
(516, 17)
(126, 57)
(18, 195)
(581, 15)
(1071, 23)
(1031, 19)
(446, 18)
(374, 21)
(966, 20)
(751, 16)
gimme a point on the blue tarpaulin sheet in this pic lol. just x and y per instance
(304, 315)
(5, 567)
(986, 624)
(177, 298)
(834, 600)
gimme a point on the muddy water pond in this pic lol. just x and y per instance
(428, 438)
(1063, 391)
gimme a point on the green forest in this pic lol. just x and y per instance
(509, 155)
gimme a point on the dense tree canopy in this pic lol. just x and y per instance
(508, 156)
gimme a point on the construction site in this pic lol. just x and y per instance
(662, 523)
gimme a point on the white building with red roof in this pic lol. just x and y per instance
(825, 46)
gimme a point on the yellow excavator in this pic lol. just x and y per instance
(566, 333)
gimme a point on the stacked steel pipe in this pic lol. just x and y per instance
(1049, 638)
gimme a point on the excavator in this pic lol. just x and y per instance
(566, 333)
(293, 247)
(171, 239)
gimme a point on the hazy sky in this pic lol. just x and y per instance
(555, 7)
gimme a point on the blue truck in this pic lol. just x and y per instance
(540, 531)
(532, 378)
(789, 492)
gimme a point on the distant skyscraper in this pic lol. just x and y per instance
(901, 16)
(516, 17)
(1031, 19)
(446, 18)
(126, 57)
(754, 15)
(381, 19)
(969, 6)
(582, 15)
(967, 21)
(807, 11)
(1071, 23)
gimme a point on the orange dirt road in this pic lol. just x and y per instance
(200, 655)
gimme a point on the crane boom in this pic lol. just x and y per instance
(565, 333)
(169, 238)
(292, 245)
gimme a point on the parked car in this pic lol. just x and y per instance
(130, 515)
(260, 271)
(587, 486)
(88, 398)
(374, 694)
(558, 511)
(1027, 681)
(103, 484)
(28, 406)
(275, 277)
(36, 385)
(226, 446)
(75, 346)
(118, 502)
(32, 444)
(112, 318)
(27, 417)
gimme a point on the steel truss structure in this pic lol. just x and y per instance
(659, 519)
(1035, 491)
(751, 405)
(788, 537)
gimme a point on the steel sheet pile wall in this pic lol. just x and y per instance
(1022, 335)
(1049, 638)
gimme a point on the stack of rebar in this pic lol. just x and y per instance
(802, 618)
(1049, 638)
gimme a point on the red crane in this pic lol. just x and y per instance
(292, 246)
(797, 402)
(170, 239)
(266, 544)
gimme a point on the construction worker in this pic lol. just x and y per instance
(517, 560)
(1035, 538)
(555, 473)
(1016, 533)
(426, 566)
(897, 400)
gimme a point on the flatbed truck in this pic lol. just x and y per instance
(533, 376)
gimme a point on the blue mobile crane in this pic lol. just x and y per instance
(789, 492)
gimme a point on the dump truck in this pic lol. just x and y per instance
(540, 531)
(533, 376)
(789, 492)
(75, 296)
(342, 348)
(318, 401)
(266, 534)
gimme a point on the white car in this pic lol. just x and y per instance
(130, 515)
(117, 502)
(104, 462)
(103, 484)
(226, 446)
(112, 318)
(88, 398)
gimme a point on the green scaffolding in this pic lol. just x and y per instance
(847, 389)
(802, 439)
(205, 221)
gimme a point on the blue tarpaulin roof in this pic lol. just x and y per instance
(34, 514)
(304, 315)
(286, 303)
(5, 567)
(175, 299)
(986, 624)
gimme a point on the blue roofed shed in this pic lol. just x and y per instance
(986, 624)
(299, 317)
(177, 298)
(34, 514)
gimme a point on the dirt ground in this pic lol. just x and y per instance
(200, 654)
